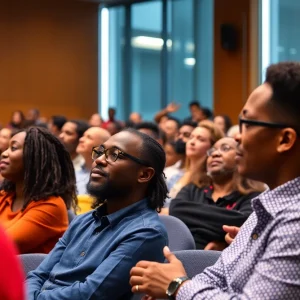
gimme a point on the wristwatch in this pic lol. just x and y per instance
(174, 285)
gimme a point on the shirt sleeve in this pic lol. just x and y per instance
(42, 222)
(276, 275)
(111, 279)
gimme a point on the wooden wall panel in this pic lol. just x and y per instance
(234, 72)
(48, 57)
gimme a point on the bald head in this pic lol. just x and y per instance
(94, 136)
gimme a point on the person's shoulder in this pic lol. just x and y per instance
(249, 196)
(149, 219)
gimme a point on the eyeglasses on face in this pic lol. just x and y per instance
(263, 124)
(224, 148)
(113, 153)
(185, 134)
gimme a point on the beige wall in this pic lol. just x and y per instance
(48, 57)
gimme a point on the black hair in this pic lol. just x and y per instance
(112, 108)
(59, 121)
(189, 123)
(227, 122)
(153, 153)
(150, 126)
(48, 169)
(284, 79)
(176, 121)
(81, 127)
(194, 103)
(207, 113)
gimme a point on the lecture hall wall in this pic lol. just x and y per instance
(48, 57)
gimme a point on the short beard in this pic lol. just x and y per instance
(105, 192)
(221, 172)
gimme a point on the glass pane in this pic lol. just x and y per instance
(146, 45)
(181, 49)
(116, 52)
(279, 28)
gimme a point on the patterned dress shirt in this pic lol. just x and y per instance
(263, 262)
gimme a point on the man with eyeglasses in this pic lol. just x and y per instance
(220, 198)
(263, 262)
(94, 257)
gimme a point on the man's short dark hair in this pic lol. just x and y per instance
(189, 123)
(152, 127)
(194, 103)
(207, 113)
(284, 79)
(176, 121)
(81, 127)
(153, 153)
(59, 121)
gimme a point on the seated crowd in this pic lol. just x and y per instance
(236, 188)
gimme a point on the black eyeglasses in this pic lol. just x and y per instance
(264, 124)
(113, 153)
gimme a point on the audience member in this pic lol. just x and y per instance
(55, 124)
(94, 257)
(263, 260)
(152, 130)
(11, 273)
(184, 134)
(38, 189)
(223, 122)
(5, 136)
(202, 138)
(17, 120)
(71, 132)
(221, 197)
(171, 128)
(95, 120)
(233, 131)
(185, 130)
(134, 118)
(32, 118)
(112, 125)
(195, 111)
(92, 137)
(175, 152)
(163, 115)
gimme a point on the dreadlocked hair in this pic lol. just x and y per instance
(153, 153)
(48, 169)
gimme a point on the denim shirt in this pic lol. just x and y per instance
(94, 257)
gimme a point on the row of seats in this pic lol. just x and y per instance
(194, 261)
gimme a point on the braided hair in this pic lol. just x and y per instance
(48, 169)
(153, 153)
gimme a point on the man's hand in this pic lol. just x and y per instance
(153, 278)
(172, 107)
(217, 246)
(232, 232)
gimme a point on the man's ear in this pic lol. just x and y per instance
(145, 174)
(287, 140)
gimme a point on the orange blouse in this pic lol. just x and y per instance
(38, 227)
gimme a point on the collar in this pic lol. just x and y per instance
(277, 200)
(232, 196)
(116, 217)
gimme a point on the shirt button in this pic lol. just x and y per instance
(82, 253)
(254, 236)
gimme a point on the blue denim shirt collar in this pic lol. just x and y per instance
(100, 213)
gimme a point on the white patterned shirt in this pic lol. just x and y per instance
(263, 262)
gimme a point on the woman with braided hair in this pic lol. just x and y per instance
(38, 189)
